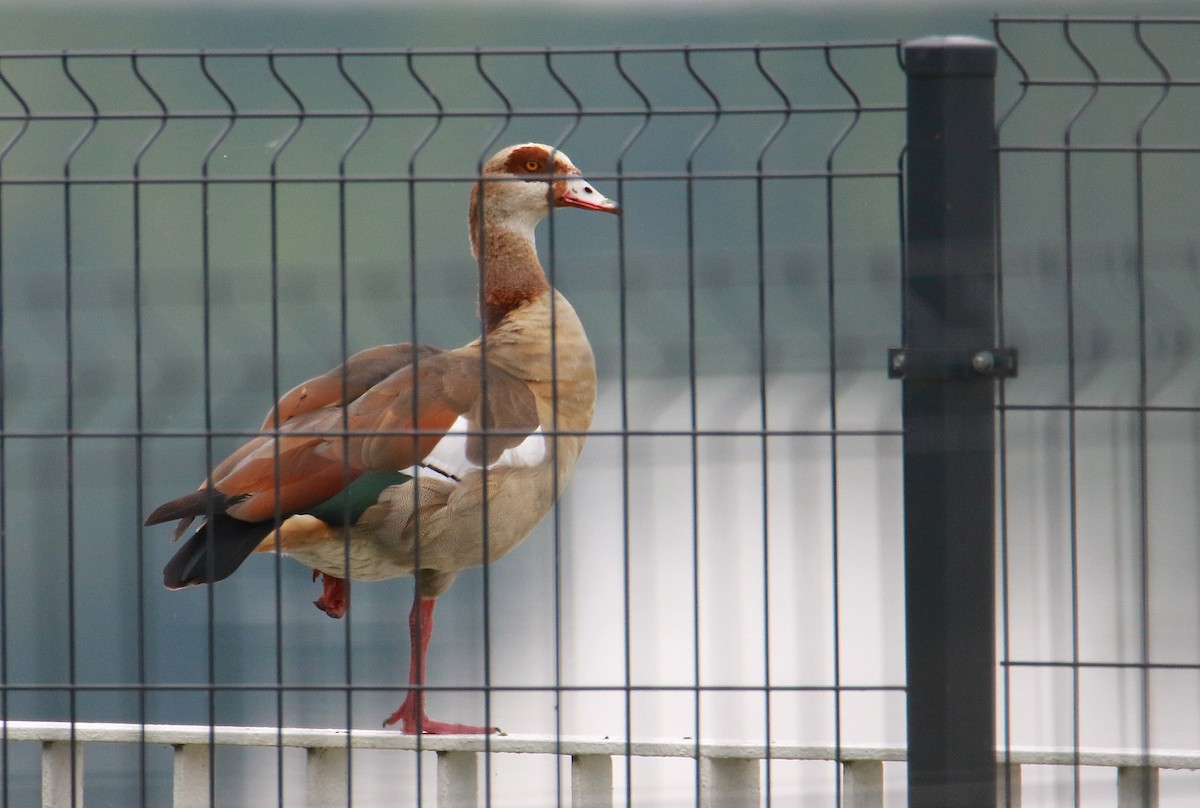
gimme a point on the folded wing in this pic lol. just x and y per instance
(384, 409)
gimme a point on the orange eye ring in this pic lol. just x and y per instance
(532, 165)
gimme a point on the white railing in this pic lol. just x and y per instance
(730, 773)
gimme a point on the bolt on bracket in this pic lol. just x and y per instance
(996, 363)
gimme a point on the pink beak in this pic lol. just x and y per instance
(579, 194)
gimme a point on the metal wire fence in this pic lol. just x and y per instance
(714, 611)
(185, 235)
(1098, 159)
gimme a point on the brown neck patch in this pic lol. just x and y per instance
(510, 273)
(499, 303)
(509, 270)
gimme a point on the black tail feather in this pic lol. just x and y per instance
(197, 503)
(214, 551)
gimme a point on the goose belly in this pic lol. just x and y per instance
(368, 560)
(448, 533)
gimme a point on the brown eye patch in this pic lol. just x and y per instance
(526, 160)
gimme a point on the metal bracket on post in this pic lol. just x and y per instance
(998, 363)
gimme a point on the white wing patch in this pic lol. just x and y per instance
(526, 454)
(449, 456)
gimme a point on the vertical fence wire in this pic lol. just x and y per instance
(4, 444)
(273, 215)
(344, 339)
(624, 421)
(139, 418)
(763, 420)
(693, 393)
(411, 188)
(556, 528)
(1069, 245)
(832, 336)
(1143, 397)
(1004, 650)
(485, 515)
(69, 421)
(206, 347)
(4, 737)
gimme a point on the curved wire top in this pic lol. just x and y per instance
(627, 86)
(1127, 69)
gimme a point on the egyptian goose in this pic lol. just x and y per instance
(360, 464)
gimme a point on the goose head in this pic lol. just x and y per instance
(521, 183)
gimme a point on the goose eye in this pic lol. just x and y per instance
(532, 165)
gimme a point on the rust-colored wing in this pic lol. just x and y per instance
(393, 424)
(447, 386)
(352, 378)
(355, 376)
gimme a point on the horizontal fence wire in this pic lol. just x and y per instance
(1098, 160)
(184, 235)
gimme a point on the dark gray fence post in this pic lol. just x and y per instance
(949, 367)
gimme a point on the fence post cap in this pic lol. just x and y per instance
(932, 56)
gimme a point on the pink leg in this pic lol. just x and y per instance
(411, 714)
(335, 597)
